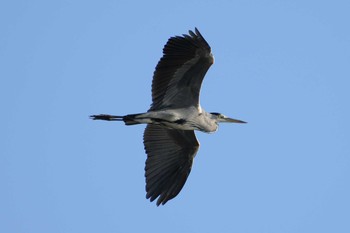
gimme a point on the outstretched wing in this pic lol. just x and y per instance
(179, 74)
(170, 154)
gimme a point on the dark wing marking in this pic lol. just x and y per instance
(179, 74)
(170, 154)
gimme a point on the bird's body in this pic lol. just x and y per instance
(190, 118)
(175, 113)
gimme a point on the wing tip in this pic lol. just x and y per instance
(162, 198)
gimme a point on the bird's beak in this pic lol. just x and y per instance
(231, 120)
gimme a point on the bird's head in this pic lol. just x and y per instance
(222, 118)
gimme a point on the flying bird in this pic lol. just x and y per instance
(169, 139)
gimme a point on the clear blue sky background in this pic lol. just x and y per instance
(283, 66)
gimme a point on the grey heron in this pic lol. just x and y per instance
(169, 139)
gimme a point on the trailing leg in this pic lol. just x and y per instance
(129, 119)
(106, 117)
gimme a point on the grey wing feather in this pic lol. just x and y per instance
(179, 73)
(170, 154)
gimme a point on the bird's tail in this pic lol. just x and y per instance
(128, 119)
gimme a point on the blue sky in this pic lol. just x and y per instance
(283, 66)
